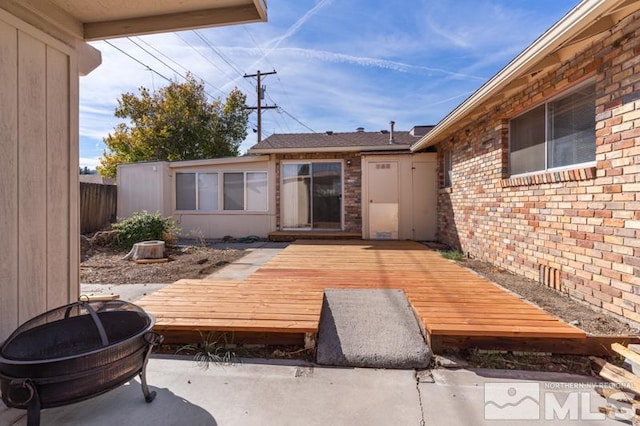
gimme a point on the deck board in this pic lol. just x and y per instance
(285, 295)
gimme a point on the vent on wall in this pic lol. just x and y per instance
(383, 166)
(550, 277)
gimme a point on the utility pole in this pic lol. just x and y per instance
(260, 89)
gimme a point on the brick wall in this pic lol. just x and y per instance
(581, 227)
(352, 185)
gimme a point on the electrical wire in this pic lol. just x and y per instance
(137, 60)
(216, 51)
(148, 68)
(205, 58)
(296, 120)
(166, 65)
(175, 62)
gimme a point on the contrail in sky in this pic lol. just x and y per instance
(273, 44)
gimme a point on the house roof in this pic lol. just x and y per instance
(101, 19)
(572, 33)
(334, 141)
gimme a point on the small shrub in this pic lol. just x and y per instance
(144, 227)
(456, 255)
(213, 350)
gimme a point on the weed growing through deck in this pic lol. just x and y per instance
(212, 350)
(509, 360)
(456, 255)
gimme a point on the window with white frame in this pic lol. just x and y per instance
(447, 167)
(240, 191)
(196, 191)
(560, 133)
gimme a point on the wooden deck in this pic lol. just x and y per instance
(455, 306)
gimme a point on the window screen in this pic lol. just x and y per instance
(256, 191)
(234, 191)
(185, 191)
(559, 133)
(207, 191)
(572, 138)
(447, 168)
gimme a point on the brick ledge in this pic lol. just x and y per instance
(585, 173)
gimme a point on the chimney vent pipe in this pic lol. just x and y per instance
(391, 136)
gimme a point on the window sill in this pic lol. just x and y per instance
(445, 190)
(572, 175)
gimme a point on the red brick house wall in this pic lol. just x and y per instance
(352, 185)
(578, 230)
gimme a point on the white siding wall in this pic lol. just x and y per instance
(143, 187)
(221, 223)
(151, 187)
(39, 259)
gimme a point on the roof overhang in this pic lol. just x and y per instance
(328, 149)
(103, 19)
(562, 41)
(219, 161)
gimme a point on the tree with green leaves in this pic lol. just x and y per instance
(176, 122)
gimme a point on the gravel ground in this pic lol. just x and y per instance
(550, 300)
(105, 266)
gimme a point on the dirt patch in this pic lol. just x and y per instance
(105, 266)
(552, 301)
(506, 360)
(237, 352)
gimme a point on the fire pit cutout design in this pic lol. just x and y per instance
(75, 352)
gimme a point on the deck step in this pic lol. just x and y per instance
(370, 328)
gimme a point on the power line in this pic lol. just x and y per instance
(172, 60)
(260, 90)
(148, 68)
(137, 60)
(217, 52)
(255, 43)
(166, 65)
(296, 120)
(205, 58)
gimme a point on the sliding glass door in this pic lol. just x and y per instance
(296, 196)
(312, 195)
(326, 195)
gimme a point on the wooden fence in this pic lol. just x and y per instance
(98, 205)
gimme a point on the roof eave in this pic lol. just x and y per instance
(571, 25)
(328, 149)
(214, 17)
(218, 161)
(60, 21)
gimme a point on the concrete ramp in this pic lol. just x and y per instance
(370, 328)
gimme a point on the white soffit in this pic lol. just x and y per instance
(103, 19)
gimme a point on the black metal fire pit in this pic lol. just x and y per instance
(74, 353)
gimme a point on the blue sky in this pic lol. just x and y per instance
(340, 64)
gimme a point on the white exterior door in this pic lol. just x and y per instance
(383, 200)
(425, 200)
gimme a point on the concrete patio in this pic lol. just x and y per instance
(282, 393)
